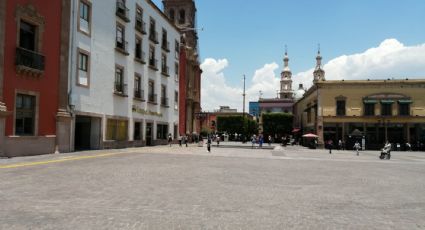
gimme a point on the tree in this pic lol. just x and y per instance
(230, 124)
(277, 123)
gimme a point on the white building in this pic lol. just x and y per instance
(123, 83)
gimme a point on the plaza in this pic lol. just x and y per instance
(233, 187)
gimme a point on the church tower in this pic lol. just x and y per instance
(319, 73)
(286, 79)
(183, 14)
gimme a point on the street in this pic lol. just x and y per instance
(230, 188)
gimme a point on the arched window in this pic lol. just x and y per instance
(182, 16)
(172, 16)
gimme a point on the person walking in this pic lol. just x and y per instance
(330, 145)
(270, 140)
(185, 140)
(209, 144)
(180, 140)
(357, 147)
(253, 140)
(170, 139)
(339, 144)
(218, 140)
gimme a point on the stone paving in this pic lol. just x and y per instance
(230, 188)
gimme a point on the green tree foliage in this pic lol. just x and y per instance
(235, 124)
(277, 123)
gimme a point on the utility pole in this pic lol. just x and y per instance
(243, 109)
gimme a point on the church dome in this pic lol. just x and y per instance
(299, 93)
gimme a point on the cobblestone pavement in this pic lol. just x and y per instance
(230, 188)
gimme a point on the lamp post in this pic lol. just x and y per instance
(243, 109)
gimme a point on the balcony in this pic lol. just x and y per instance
(164, 102)
(29, 61)
(152, 98)
(153, 36)
(153, 64)
(120, 89)
(122, 47)
(122, 11)
(140, 25)
(139, 95)
(165, 70)
(140, 57)
(165, 45)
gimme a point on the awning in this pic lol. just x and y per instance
(370, 101)
(310, 135)
(405, 101)
(387, 101)
(295, 130)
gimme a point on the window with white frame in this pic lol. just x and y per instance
(83, 68)
(85, 12)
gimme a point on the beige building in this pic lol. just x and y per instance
(370, 111)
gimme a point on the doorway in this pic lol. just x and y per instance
(87, 133)
(149, 134)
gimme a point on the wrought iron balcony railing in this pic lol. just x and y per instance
(29, 59)
(122, 11)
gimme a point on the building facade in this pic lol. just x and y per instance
(183, 14)
(123, 87)
(368, 111)
(30, 76)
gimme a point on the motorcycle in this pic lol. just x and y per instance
(385, 153)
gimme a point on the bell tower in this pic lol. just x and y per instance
(319, 73)
(286, 79)
(183, 14)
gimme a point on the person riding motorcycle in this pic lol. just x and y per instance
(386, 151)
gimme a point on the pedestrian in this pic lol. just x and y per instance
(343, 145)
(330, 145)
(218, 140)
(209, 144)
(339, 144)
(261, 140)
(253, 140)
(185, 140)
(180, 140)
(357, 147)
(170, 139)
(408, 147)
(270, 140)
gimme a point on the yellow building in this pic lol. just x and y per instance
(368, 111)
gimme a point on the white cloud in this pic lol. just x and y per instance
(216, 92)
(391, 59)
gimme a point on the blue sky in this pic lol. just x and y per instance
(249, 34)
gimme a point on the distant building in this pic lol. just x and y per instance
(209, 119)
(370, 111)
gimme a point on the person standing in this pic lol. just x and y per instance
(185, 140)
(339, 144)
(170, 139)
(270, 140)
(218, 140)
(357, 147)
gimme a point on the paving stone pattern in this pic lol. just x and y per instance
(230, 188)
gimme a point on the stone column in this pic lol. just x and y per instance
(63, 116)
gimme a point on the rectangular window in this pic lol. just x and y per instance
(138, 52)
(83, 68)
(340, 108)
(138, 87)
(151, 92)
(84, 23)
(176, 100)
(175, 131)
(152, 60)
(164, 67)
(119, 79)
(404, 109)
(161, 131)
(153, 35)
(116, 130)
(386, 109)
(164, 43)
(177, 49)
(120, 37)
(25, 115)
(27, 36)
(139, 19)
(164, 99)
(137, 136)
(369, 109)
